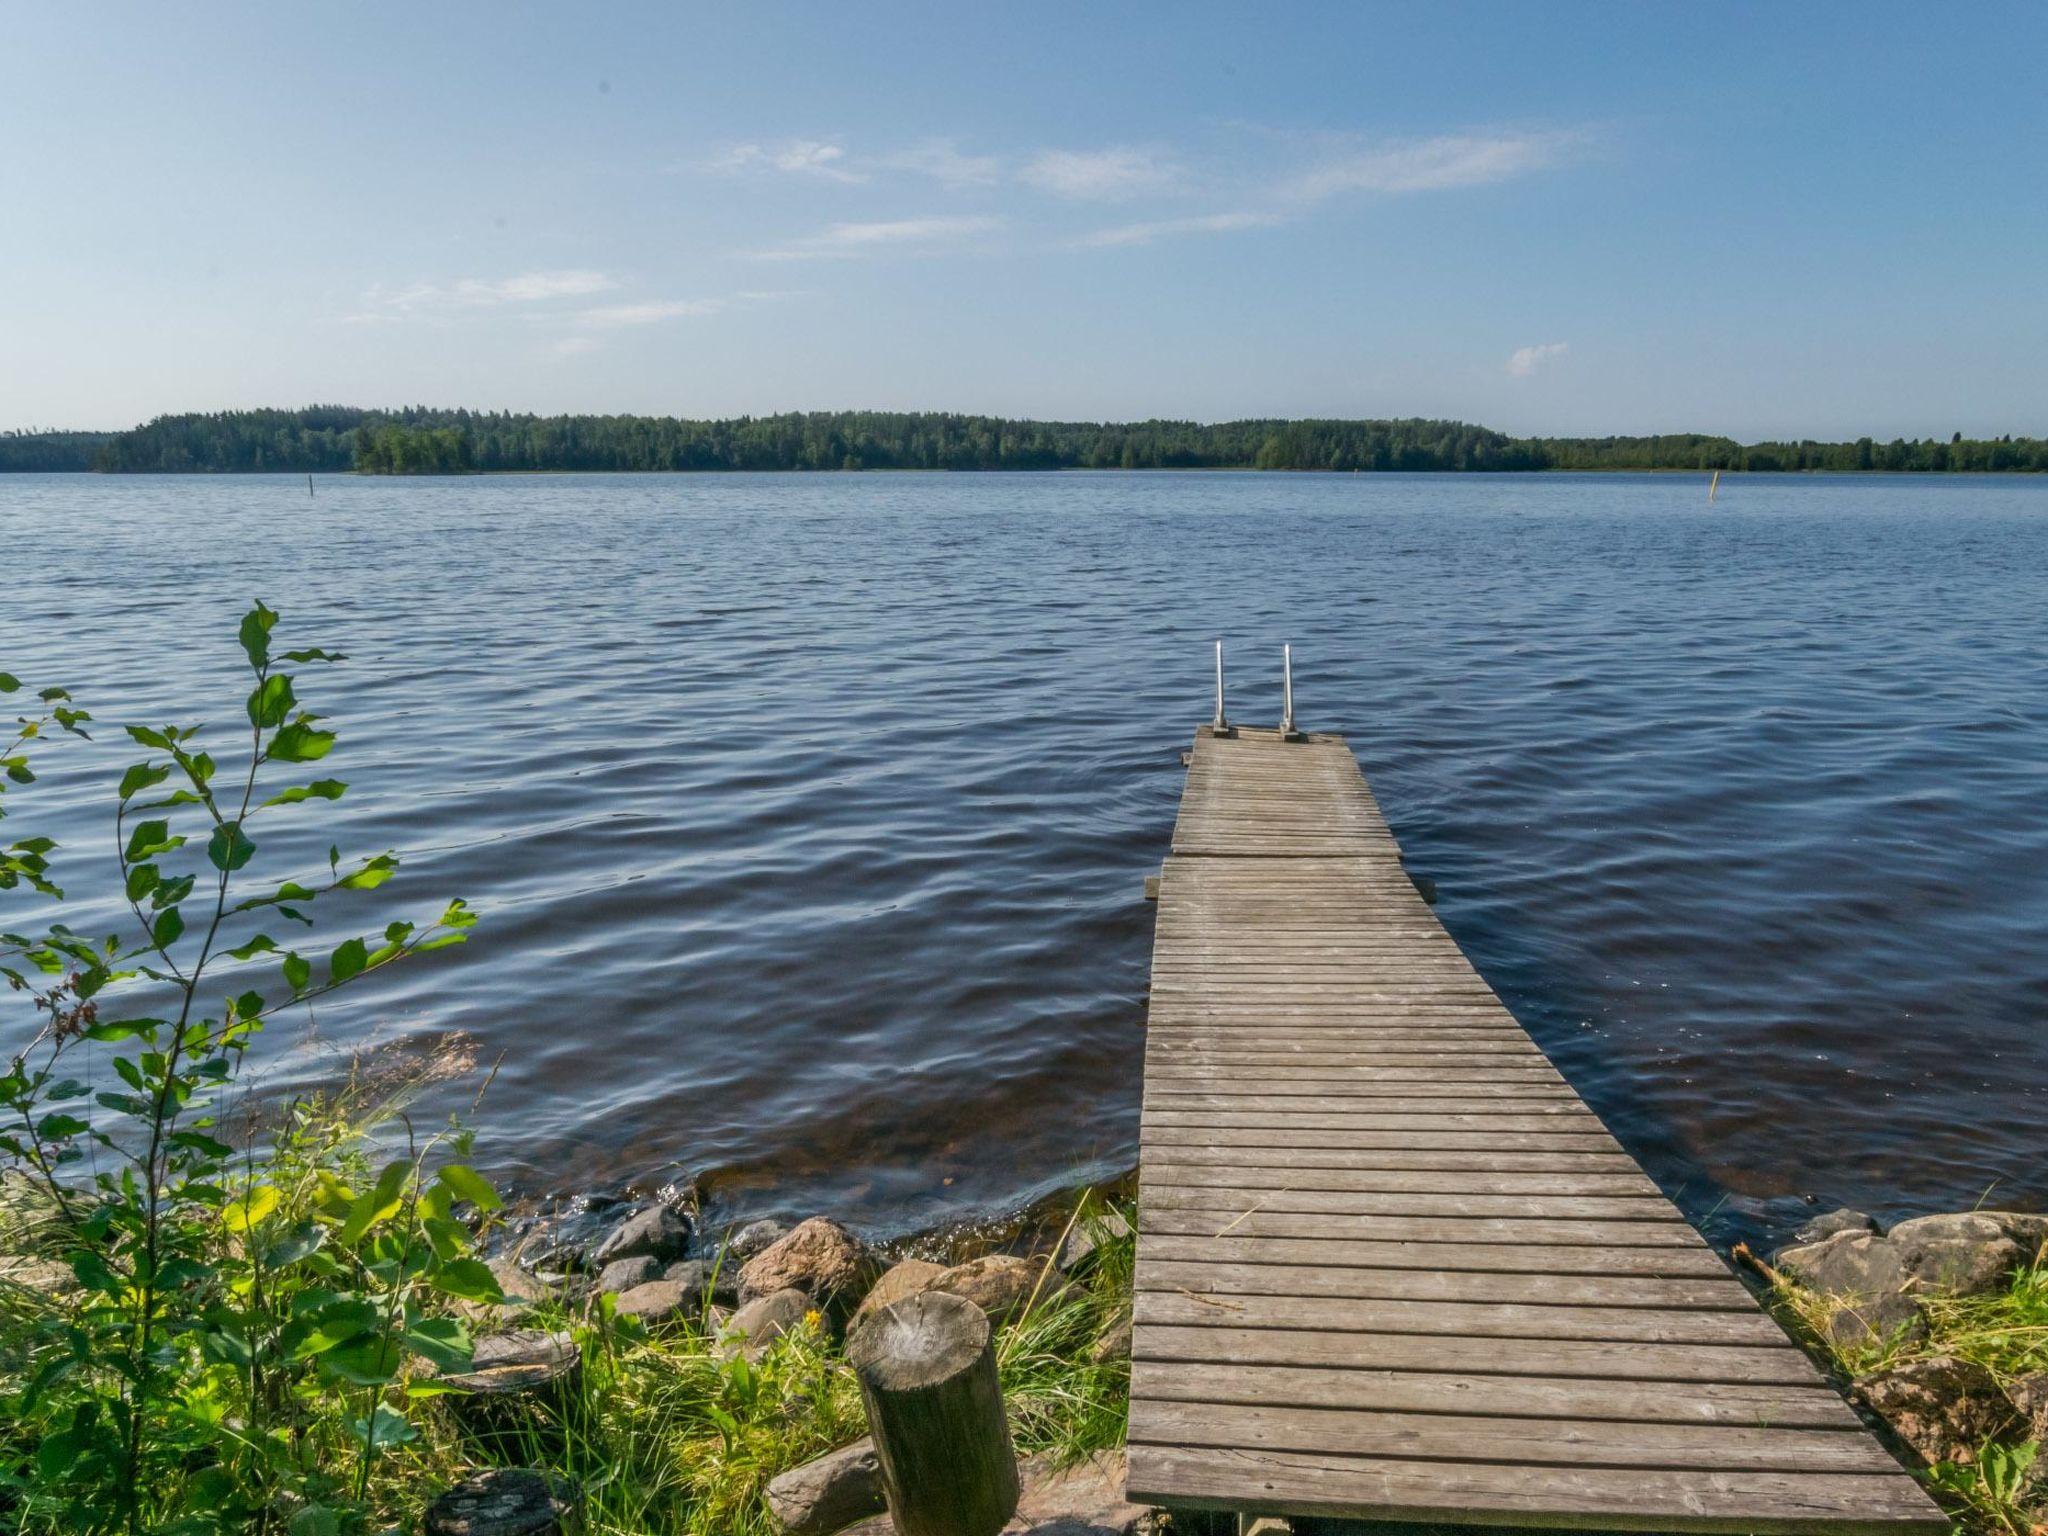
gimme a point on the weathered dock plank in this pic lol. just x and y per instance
(1390, 1266)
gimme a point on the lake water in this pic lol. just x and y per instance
(809, 816)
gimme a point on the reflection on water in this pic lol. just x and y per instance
(809, 816)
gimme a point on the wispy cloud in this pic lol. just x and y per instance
(944, 161)
(922, 236)
(1148, 230)
(1434, 164)
(648, 312)
(471, 293)
(1102, 175)
(804, 157)
(1524, 361)
(1387, 168)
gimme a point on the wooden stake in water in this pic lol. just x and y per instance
(1713, 485)
(1220, 726)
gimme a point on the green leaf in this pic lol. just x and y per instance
(151, 838)
(467, 1280)
(373, 873)
(229, 848)
(467, 1184)
(243, 1214)
(168, 928)
(262, 944)
(271, 701)
(297, 972)
(141, 776)
(57, 1127)
(142, 879)
(300, 743)
(347, 961)
(255, 635)
(313, 1520)
(170, 892)
(442, 1340)
(385, 1426)
(319, 789)
(331, 1327)
(144, 736)
(314, 653)
(371, 1360)
(9, 682)
(376, 1204)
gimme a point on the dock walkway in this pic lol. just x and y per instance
(1389, 1265)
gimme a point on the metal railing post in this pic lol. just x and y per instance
(1220, 726)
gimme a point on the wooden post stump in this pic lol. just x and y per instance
(515, 1501)
(927, 1369)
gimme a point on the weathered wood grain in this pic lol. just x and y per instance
(1390, 1266)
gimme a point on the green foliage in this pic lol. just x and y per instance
(1996, 1489)
(2005, 1332)
(403, 450)
(419, 440)
(245, 1328)
(50, 452)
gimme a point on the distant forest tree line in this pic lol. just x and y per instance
(418, 440)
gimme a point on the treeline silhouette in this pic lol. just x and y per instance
(49, 452)
(419, 440)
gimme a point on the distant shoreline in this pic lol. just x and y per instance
(419, 440)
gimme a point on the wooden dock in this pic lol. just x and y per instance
(1390, 1266)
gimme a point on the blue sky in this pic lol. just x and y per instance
(1809, 219)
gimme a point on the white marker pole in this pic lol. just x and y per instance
(1287, 689)
(1221, 725)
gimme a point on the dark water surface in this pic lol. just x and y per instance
(809, 815)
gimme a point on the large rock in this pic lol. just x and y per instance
(1958, 1266)
(521, 1293)
(1853, 1264)
(820, 1496)
(656, 1301)
(659, 1232)
(1870, 1320)
(820, 1258)
(1086, 1499)
(1842, 1220)
(1078, 1249)
(1962, 1255)
(1114, 1342)
(706, 1279)
(902, 1281)
(624, 1274)
(742, 1243)
(2030, 1396)
(998, 1283)
(1944, 1408)
(758, 1324)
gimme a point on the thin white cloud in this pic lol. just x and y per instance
(1102, 175)
(573, 346)
(803, 157)
(1146, 231)
(1524, 361)
(924, 236)
(944, 161)
(1435, 164)
(649, 312)
(471, 293)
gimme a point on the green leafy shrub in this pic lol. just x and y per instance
(247, 1325)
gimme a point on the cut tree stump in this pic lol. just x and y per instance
(927, 1370)
(513, 1370)
(515, 1501)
